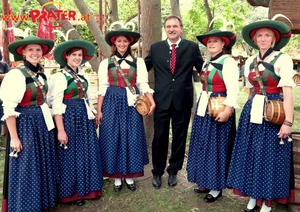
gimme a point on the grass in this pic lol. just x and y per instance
(178, 199)
(148, 199)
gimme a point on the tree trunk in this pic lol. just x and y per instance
(176, 11)
(209, 15)
(5, 40)
(23, 12)
(100, 25)
(94, 28)
(113, 12)
(92, 25)
(139, 28)
(151, 32)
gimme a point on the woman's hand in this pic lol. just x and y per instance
(225, 115)
(152, 102)
(152, 108)
(16, 144)
(288, 105)
(95, 121)
(62, 136)
(284, 131)
(99, 118)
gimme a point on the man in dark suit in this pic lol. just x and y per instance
(173, 97)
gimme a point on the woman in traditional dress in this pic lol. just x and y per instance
(261, 164)
(122, 137)
(79, 164)
(32, 172)
(212, 138)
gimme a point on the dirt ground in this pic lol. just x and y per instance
(183, 187)
(160, 200)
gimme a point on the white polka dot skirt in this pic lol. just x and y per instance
(260, 165)
(122, 136)
(33, 174)
(209, 152)
(80, 169)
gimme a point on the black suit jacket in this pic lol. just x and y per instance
(178, 87)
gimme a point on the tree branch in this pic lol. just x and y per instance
(23, 11)
(131, 17)
(92, 25)
(209, 15)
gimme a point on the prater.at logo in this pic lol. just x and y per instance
(56, 15)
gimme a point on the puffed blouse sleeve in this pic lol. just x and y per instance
(142, 77)
(230, 74)
(12, 91)
(284, 68)
(103, 77)
(57, 86)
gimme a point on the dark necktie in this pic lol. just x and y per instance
(173, 58)
(263, 57)
(265, 64)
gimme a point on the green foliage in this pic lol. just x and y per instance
(85, 33)
(16, 7)
(92, 5)
(83, 30)
(196, 22)
(193, 15)
(127, 8)
(165, 10)
(292, 48)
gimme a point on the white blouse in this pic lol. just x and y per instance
(57, 86)
(231, 79)
(142, 75)
(12, 91)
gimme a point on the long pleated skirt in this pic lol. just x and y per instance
(210, 150)
(33, 174)
(80, 170)
(122, 137)
(261, 167)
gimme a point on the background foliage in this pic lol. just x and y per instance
(193, 15)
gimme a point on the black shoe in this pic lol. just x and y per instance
(79, 202)
(118, 188)
(172, 181)
(211, 198)
(200, 191)
(131, 187)
(251, 210)
(156, 181)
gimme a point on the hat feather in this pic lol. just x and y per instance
(280, 15)
(225, 23)
(122, 25)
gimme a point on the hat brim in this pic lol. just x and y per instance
(88, 50)
(111, 36)
(281, 30)
(228, 37)
(16, 47)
